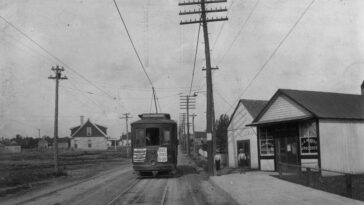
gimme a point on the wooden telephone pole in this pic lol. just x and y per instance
(127, 131)
(210, 114)
(187, 102)
(58, 76)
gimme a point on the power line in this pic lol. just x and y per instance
(222, 26)
(194, 61)
(132, 43)
(273, 53)
(53, 56)
(241, 29)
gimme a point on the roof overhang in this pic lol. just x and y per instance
(278, 121)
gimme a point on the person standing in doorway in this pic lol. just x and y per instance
(242, 160)
(217, 160)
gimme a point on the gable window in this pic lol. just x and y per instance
(266, 142)
(88, 131)
(308, 138)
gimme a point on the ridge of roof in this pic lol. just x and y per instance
(88, 120)
(325, 105)
(253, 107)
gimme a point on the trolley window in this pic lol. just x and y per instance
(166, 137)
(139, 137)
(152, 136)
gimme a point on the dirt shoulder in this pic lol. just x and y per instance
(28, 173)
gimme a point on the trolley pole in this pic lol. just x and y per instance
(127, 132)
(58, 76)
(210, 113)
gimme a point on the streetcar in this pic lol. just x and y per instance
(154, 144)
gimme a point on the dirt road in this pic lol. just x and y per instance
(121, 186)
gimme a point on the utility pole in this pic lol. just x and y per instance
(38, 132)
(58, 76)
(210, 114)
(193, 131)
(188, 102)
(183, 131)
(127, 131)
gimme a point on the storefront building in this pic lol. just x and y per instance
(312, 129)
(242, 137)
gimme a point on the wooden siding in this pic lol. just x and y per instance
(97, 143)
(237, 130)
(283, 108)
(341, 144)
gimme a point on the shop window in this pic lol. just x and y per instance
(308, 138)
(266, 142)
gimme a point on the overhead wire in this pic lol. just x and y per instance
(222, 26)
(273, 54)
(239, 32)
(132, 43)
(195, 58)
(136, 52)
(54, 56)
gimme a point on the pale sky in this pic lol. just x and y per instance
(324, 52)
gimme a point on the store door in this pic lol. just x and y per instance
(245, 145)
(287, 151)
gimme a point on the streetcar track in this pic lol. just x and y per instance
(133, 184)
(164, 196)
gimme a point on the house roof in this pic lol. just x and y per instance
(325, 105)
(98, 127)
(252, 106)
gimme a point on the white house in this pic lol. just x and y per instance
(89, 136)
(241, 136)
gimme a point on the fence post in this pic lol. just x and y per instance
(349, 185)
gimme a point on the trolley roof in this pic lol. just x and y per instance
(154, 118)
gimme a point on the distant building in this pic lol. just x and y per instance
(89, 136)
(125, 141)
(242, 137)
(200, 138)
(318, 129)
(43, 144)
(63, 143)
(13, 147)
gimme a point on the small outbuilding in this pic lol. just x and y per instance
(242, 137)
(318, 129)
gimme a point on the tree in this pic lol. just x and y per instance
(221, 126)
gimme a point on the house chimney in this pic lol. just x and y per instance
(362, 88)
(81, 119)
